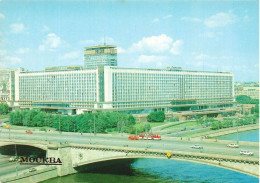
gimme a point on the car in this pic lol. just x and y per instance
(197, 146)
(29, 131)
(245, 152)
(32, 170)
(3, 124)
(233, 145)
(133, 137)
(12, 159)
(192, 129)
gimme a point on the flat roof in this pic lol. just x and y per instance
(154, 69)
(100, 46)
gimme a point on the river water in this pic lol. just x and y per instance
(160, 170)
(252, 136)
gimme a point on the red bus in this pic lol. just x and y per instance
(149, 136)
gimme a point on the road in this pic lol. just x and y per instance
(121, 141)
(7, 167)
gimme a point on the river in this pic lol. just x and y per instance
(160, 170)
(252, 136)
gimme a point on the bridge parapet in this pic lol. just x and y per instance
(86, 154)
(41, 145)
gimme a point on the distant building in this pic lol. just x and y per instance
(252, 92)
(124, 89)
(104, 55)
(64, 68)
(5, 82)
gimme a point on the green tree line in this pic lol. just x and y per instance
(101, 122)
(227, 123)
(244, 99)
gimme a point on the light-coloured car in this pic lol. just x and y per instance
(248, 153)
(32, 170)
(233, 145)
(197, 146)
(11, 159)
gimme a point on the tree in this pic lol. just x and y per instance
(257, 110)
(245, 99)
(158, 116)
(16, 118)
(4, 108)
(131, 120)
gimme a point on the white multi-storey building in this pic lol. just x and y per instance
(124, 89)
(6, 75)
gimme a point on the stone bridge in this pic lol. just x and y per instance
(76, 155)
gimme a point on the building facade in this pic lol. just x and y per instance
(124, 89)
(59, 89)
(252, 92)
(104, 55)
(5, 82)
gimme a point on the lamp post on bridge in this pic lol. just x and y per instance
(8, 126)
(16, 161)
(235, 125)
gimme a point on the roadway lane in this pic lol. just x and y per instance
(7, 167)
(212, 148)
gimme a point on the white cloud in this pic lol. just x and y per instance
(71, 55)
(88, 42)
(191, 19)
(154, 44)
(211, 34)
(246, 18)
(3, 52)
(167, 16)
(23, 50)
(17, 28)
(51, 43)
(2, 16)
(208, 34)
(155, 20)
(151, 60)
(220, 19)
(108, 40)
(176, 47)
(2, 64)
(12, 60)
(121, 50)
(45, 28)
(202, 57)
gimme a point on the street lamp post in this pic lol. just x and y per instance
(94, 125)
(237, 136)
(59, 124)
(235, 125)
(16, 161)
(89, 121)
(7, 126)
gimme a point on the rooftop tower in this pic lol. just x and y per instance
(103, 55)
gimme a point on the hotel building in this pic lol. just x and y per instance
(124, 89)
(102, 86)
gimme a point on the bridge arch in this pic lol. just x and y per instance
(238, 164)
(14, 149)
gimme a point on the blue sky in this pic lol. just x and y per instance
(196, 35)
